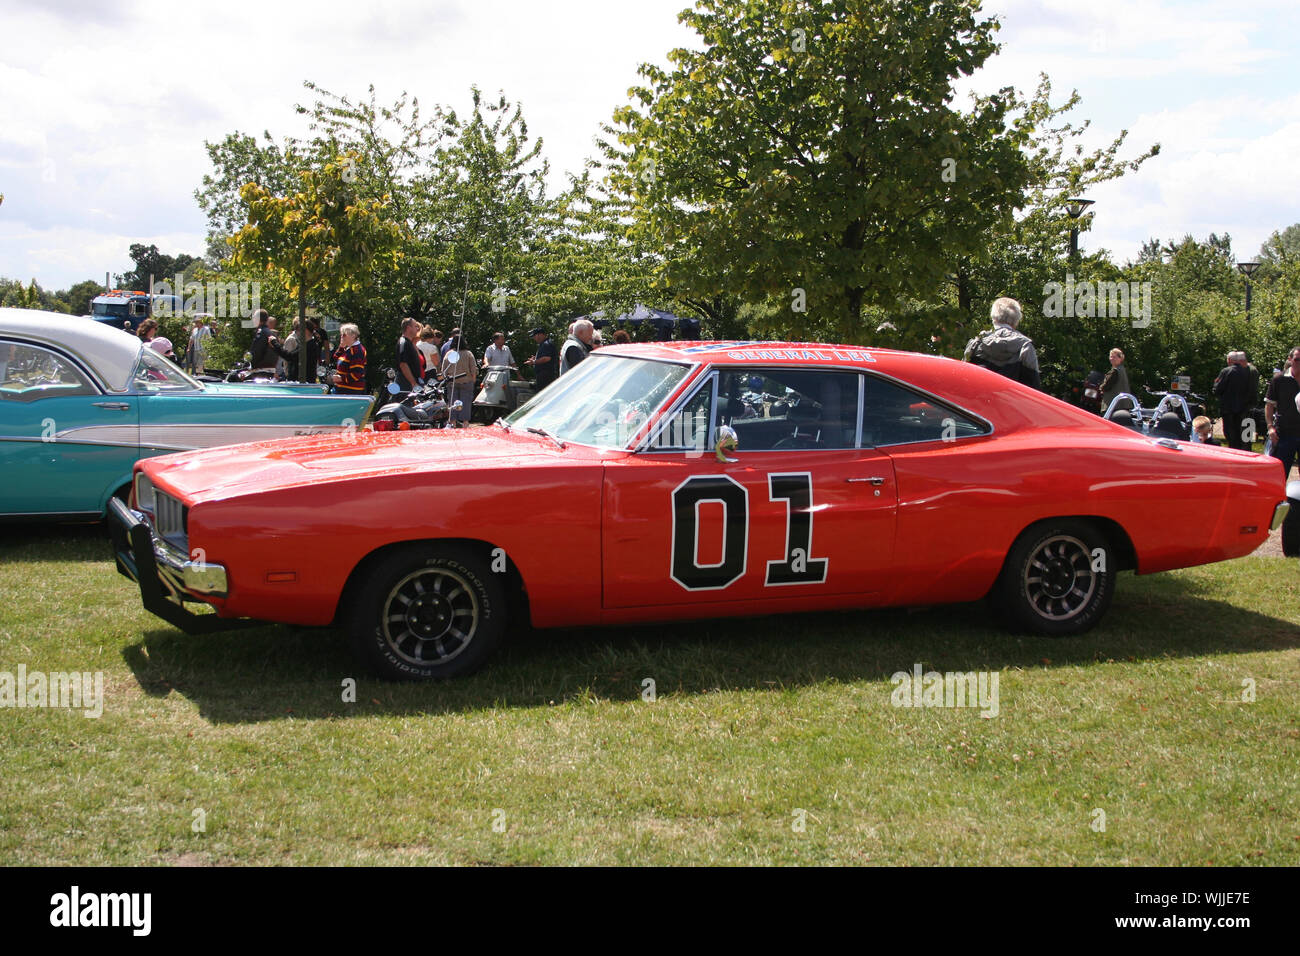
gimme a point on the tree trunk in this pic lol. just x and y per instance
(853, 310)
(963, 292)
(302, 329)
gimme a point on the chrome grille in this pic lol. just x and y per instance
(170, 520)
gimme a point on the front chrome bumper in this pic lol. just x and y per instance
(1279, 515)
(166, 577)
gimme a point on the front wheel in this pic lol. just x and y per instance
(1058, 579)
(426, 613)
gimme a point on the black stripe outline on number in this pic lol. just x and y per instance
(687, 497)
(795, 489)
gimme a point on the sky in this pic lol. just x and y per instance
(105, 105)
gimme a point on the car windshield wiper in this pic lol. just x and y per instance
(545, 434)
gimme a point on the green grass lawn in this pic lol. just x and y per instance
(551, 755)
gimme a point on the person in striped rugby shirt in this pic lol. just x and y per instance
(349, 361)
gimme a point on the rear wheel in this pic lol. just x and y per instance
(1058, 579)
(424, 614)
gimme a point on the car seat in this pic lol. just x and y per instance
(1171, 425)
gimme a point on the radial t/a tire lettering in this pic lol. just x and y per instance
(1058, 579)
(425, 613)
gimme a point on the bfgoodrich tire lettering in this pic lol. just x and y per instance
(428, 613)
(1058, 579)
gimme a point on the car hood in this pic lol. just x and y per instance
(311, 460)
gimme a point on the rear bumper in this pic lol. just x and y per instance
(166, 579)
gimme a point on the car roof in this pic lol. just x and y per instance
(798, 354)
(971, 388)
(737, 352)
(110, 353)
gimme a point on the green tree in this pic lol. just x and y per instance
(321, 237)
(1021, 256)
(1282, 247)
(150, 261)
(808, 155)
(80, 296)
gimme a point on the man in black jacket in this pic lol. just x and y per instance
(547, 361)
(265, 345)
(408, 356)
(1233, 388)
(1281, 414)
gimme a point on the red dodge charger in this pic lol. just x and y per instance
(689, 480)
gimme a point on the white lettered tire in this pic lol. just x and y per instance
(428, 612)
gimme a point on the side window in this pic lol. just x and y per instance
(779, 409)
(688, 429)
(29, 373)
(893, 415)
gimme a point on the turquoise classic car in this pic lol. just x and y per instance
(81, 402)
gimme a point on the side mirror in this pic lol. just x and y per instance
(392, 388)
(392, 376)
(453, 356)
(727, 442)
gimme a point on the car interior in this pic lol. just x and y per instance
(28, 374)
(775, 409)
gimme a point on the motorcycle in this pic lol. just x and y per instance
(502, 390)
(423, 407)
(244, 372)
(1170, 417)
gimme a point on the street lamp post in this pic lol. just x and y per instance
(1076, 209)
(1247, 269)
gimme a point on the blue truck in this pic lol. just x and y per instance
(121, 309)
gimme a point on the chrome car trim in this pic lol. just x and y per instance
(862, 398)
(36, 440)
(169, 521)
(180, 573)
(134, 554)
(1280, 511)
(178, 437)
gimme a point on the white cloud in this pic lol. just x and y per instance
(106, 105)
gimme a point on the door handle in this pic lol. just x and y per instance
(117, 406)
(874, 480)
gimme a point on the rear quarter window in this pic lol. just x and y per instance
(893, 414)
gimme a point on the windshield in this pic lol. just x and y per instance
(114, 310)
(602, 402)
(153, 372)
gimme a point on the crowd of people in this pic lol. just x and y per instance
(422, 352)
(1008, 351)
